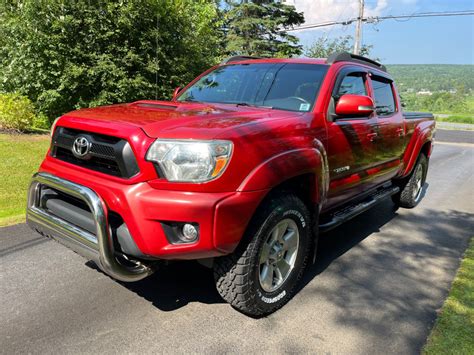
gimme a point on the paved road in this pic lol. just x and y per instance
(375, 288)
(455, 136)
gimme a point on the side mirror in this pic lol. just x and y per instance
(176, 92)
(355, 105)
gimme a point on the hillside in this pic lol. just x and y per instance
(432, 77)
(447, 90)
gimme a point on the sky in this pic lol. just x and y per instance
(435, 40)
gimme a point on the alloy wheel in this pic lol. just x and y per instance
(278, 255)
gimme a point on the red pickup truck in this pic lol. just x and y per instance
(241, 170)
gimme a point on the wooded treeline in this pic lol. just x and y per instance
(57, 55)
(62, 55)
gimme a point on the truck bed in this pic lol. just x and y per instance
(410, 115)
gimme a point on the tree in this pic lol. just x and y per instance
(323, 47)
(69, 54)
(258, 28)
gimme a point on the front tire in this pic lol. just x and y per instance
(412, 191)
(261, 275)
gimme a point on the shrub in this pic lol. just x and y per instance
(65, 55)
(41, 122)
(16, 112)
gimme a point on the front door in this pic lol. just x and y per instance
(351, 143)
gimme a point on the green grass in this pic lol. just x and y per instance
(453, 332)
(456, 118)
(20, 157)
(459, 117)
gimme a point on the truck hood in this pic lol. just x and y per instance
(164, 119)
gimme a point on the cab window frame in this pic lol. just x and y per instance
(382, 78)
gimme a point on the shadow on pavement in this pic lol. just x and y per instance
(396, 279)
(175, 285)
(445, 236)
(180, 283)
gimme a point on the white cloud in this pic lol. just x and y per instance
(316, 11)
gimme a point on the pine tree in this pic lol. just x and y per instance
(258, 28)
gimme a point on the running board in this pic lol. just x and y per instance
(351, 211)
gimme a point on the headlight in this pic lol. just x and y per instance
(190, 160)
(53, 126)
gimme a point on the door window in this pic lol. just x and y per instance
(353, 83)
(383, 95)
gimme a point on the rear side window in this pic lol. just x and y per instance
(354, 84)
(383, 95)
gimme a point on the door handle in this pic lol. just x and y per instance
(400, 131)
(372, 136)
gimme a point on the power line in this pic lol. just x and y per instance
(375, 19)
(430, 14)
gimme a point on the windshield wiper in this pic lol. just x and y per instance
(251, 105)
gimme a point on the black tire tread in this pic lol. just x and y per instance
(231, 272)
(405, 197)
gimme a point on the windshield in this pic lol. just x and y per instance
(285, 86)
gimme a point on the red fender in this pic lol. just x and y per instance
(287, 165)
(423, 134)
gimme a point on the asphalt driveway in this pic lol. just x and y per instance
(375, 288)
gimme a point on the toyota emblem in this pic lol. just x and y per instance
(81, 147)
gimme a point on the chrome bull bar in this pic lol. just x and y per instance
(99, 247)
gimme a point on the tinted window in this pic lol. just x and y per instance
(353, 83)
(383, 95)
(284, 86)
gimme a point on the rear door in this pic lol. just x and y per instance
(390, 132)
(351, 143)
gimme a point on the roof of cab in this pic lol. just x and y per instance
(247, 60)
(333, 58)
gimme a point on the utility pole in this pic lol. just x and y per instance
(358, 34)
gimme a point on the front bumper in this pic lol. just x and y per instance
(98, 247)
(222, 217)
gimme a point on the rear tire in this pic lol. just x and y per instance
(411, 192)
(261, 275)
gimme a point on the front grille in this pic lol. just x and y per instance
(103, 150)
(108, 155)
(106, 166)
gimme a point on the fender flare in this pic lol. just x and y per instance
(290, 164)
(421, 136)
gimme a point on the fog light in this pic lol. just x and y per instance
(189, 233)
